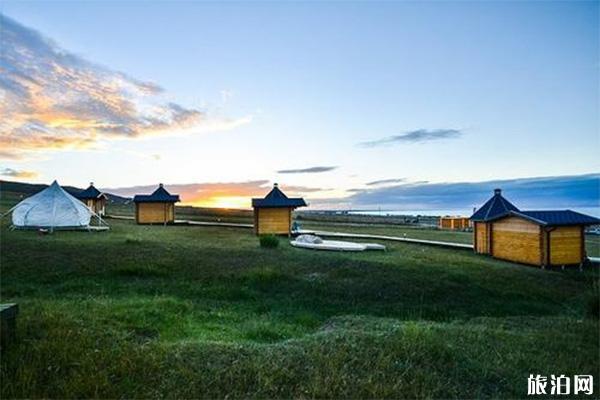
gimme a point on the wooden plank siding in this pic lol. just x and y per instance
(96, 205)
(481, 238)
(565, 245)
(445, 223)
(454, 223)
(155, 213)
(544, 247)
(256, 212)
(516, 239)
(520, 240)
(273, 220)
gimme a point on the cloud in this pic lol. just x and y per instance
(13, 173)
(385, 181)
(578, 191)
(418, 136)
(52, 99)
(216, 194)
(311, 170)
(9, 155)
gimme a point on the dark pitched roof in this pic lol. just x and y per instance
(498, 207)
(160, 195)
(276, 198)
(494, 208)
(90, 193)
(558, 217)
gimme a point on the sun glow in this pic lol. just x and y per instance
(238, 202)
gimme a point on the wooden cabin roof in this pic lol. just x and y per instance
(90, 193)
(276, 198)
(558, 217)
(160, 195)
(494, 208)
(498, 207)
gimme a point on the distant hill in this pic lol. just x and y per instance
(28, 189)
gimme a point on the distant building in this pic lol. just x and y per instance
(544, 238)
(273, 213)
(94, 199)
(155, 208)
(454, 223)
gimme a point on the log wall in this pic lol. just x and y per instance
(96, 205)
(481, 238)
(276, 221)
(517, 239)
(155, 213)
(566, 246)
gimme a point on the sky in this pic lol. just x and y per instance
(361, 105)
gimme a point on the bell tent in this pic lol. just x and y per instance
(53, 208)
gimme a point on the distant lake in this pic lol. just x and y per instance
(595, 211)
(383, 213)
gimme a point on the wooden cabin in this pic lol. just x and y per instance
(273, 213)
(455, 223)
(155, 208)
(94, 199)
(543, 238)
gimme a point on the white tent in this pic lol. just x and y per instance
(52, 208)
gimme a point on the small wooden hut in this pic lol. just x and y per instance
(155, 208)
(94, 199)
(454, 223)
(544, 238)
(273, 214)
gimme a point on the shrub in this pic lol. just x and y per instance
(269, 241)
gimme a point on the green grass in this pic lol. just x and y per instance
(409, 231)
(592, 242)
(413, 232)
(187, 312)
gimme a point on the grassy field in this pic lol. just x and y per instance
(592, 242)
(402, 230)
(153, 311)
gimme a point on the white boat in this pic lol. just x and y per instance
(316, 243)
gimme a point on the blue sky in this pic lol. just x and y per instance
(343, 93)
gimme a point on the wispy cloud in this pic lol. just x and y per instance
(53, 99)
(311, 170)
(21, 174)
(386, 181)
(418, 136)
